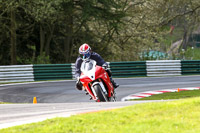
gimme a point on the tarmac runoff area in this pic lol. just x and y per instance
(18, 114)
(150, 93)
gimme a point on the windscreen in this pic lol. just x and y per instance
(88, 65)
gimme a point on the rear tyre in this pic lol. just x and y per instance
(100, 94)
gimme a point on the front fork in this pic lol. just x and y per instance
(92, 92)
(102, 86)
(94, 96)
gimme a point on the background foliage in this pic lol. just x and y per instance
(46, 31)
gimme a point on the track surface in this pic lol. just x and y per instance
(65, 92)
(61, 99)
(17, 114)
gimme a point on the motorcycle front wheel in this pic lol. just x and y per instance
(100, 94)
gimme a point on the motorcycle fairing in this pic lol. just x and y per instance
(92, 73)
(102, 74)
(88, 69)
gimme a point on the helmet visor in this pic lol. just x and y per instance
(85, 56)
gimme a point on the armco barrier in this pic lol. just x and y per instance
(163, 67)
(128, 69)
(52, 71)
(16, 73)
(21, 73)
(73, 70)
(189, 67)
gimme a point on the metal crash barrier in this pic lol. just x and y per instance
(163, 67)
(42, 72)
(16, 73)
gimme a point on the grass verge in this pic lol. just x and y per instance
(181, 116)
(173, 95)
(4, 103)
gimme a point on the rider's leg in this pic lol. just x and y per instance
(112, 81)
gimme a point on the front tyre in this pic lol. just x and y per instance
(100, 94)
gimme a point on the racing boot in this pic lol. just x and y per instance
(115, 85)
(86, 93)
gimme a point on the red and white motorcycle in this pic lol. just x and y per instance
(96, 82)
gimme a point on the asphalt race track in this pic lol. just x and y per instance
(65, 92)
(60, 98)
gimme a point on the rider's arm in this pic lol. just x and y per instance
(100, 61)
(78, 67)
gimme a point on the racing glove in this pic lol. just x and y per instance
(78, 84)
(105, 66)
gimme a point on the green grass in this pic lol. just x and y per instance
(181, 116)
(4, 103)
(173, 95)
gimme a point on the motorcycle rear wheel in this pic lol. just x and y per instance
(100, 94)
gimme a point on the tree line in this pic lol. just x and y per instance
(46, 31)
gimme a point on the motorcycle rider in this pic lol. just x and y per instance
(86, 52)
